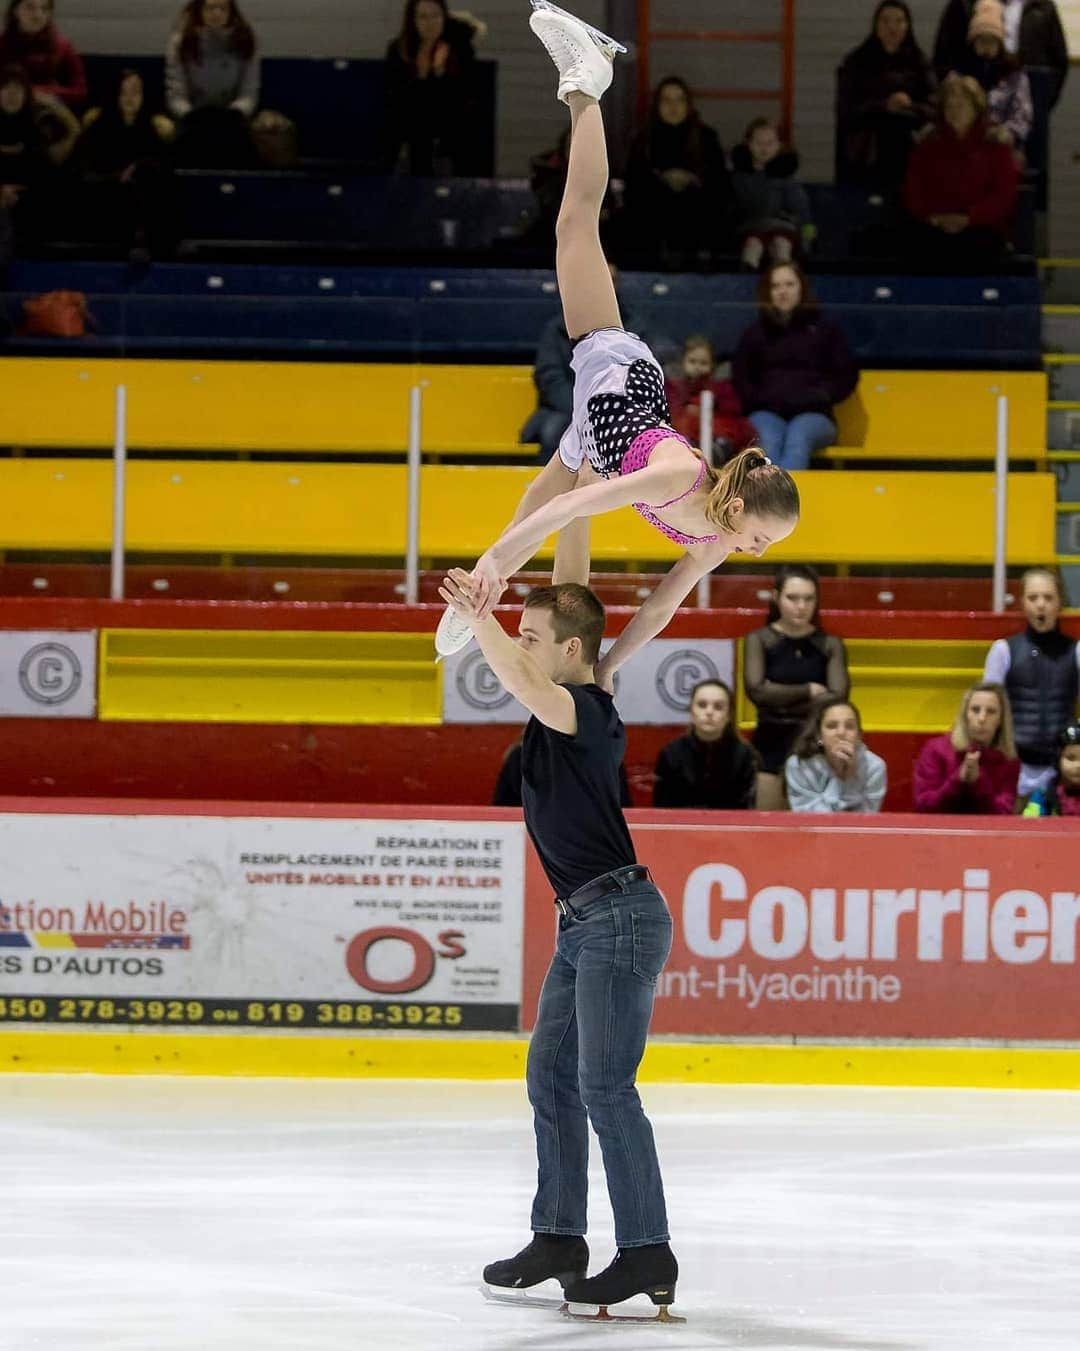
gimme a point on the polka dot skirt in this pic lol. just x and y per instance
(614, 420)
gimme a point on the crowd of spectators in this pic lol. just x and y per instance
(931, 131)
(1013, 749)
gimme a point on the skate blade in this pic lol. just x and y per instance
(602, 39)
(602, 1316)
(522, 1299)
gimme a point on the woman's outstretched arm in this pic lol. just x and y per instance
(658, 482)
(654, 614)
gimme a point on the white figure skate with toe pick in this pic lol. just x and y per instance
(582, 54)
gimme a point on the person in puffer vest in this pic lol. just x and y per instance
(1040, 669)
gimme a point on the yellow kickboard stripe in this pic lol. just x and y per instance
(222, 1054)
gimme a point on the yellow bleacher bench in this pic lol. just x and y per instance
(324, 408)
(358, 511)
(940, 416)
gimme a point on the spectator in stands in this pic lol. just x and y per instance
(884, 97)
(972, 769)
(429, 69)
(790, 367)
(554, 378)
(731, 431)
(678, 198)
(124, 159)
(508, 785)
(961, 185)
(35, 138)
(772, 210)
(789, 666)
(1061, 797)
(30, 39)
(1033, 33)
(831, 770)
(711, 766)
(1003, 79)
(1040, 669)
(212, 76)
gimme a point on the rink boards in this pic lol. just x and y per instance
(143, 937)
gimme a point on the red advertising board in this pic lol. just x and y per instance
(856, 927)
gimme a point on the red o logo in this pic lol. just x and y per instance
(356, 961)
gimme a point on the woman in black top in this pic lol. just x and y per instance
(429, 90)
(884, 96)
(788, 665)
(678, 193)
(124, 157)
(711, 766)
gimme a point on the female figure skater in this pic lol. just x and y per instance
(620, 448)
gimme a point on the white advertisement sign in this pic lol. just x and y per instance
(48, 675)
(653, 687)
(276, 923)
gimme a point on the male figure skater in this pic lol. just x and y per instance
(614, 935)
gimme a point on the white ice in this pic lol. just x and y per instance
(261, 1215)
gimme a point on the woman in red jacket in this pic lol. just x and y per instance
(961, 186)
(30, 39)
(973, 769)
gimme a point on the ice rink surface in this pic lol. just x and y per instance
(274, 1215)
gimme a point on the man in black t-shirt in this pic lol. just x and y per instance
(614, 937)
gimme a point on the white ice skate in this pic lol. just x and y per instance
(583, 55)
(453, 633)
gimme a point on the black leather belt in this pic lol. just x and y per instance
(617, 880)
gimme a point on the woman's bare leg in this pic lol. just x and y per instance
(585, 285)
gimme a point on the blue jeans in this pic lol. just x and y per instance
(790, 444)
(588, 1041)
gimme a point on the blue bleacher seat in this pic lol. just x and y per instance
(472, 312)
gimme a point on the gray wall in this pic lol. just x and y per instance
(529, 117)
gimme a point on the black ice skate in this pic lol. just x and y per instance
(651, 1270)
(560, 1257)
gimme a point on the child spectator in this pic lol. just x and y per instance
(831, 770)
(972, 769)
(124, 161)
(731, 431)
(711, 766)
(678, 192)
(961, 185)
(1033, 33)
(772, 210)
(30, 39)
(429, 68)
(789, 665)
(1062, 797)
(884, 97)
(1002, 78)
(212, 76)
(790, 368)
(1040, 669)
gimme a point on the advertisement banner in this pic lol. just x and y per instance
(858, 929)
(653, 688)
(48, 675)
(349, 925)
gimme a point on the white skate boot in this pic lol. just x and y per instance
(453, 633)
(583, 55)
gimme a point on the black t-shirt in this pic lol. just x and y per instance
(570, 793)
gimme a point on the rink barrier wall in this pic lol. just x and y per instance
(219, 1055)
(986, 999)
